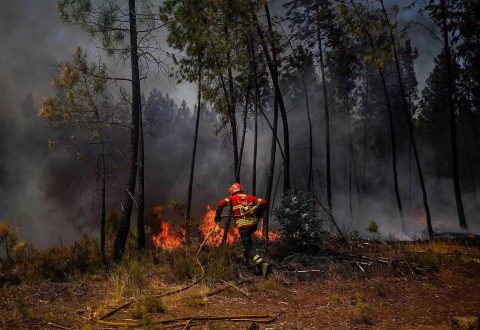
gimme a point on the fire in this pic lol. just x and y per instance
(175, 239)
(167, 240)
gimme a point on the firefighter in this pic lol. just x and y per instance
(246, 209)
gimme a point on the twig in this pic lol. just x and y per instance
(303, 271)
(58, 326)
(361, 268)
(187, 324)
(237, 288)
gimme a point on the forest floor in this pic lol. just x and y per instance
(359, 285)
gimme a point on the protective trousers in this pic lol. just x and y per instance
(249, 251)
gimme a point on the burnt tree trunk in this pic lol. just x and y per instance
(410, 124)
(255, 134)
(271, 168)
(141, 189)
(327, 113)
(273, 67)
(194, 153)
(452, 118)
(310, 135)
(244, 131)
(124, 224)
(391, 130)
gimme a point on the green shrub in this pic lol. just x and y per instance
(301, 223)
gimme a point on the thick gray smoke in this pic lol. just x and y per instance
(46, 194)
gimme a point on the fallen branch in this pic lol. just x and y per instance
(58, 326)
(260, 318)
(237, 288)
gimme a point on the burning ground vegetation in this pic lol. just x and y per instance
(343, 282)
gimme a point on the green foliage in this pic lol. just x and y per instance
(374, 229)
(300, 221)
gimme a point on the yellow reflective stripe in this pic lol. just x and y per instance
(240, 224)
(259, 261)
(259, 201)
(256, 257)
(245, 222)
(227, 200)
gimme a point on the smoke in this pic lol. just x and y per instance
(50, 196)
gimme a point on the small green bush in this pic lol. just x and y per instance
(301, 223)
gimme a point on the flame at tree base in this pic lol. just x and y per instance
(172, 239)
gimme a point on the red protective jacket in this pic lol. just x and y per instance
(241, 205)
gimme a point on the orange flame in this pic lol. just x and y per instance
(172, 240)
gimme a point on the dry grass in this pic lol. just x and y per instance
(363, 313)
(437, 247)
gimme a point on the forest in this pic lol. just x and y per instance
(355, 120)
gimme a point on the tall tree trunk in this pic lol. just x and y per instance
(255, 134)
(350, 156)
(141, 189)
(273, 67)
(410, 124)
(310, 135)
(271, 168)
(452, 116)
(244, 131)
(103, 202)
(124, 223)
(194, 153)
(391, 130)
(365, 147)
(327, 113)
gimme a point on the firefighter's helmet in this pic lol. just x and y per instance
(235, 188)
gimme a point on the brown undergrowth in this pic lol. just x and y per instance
(354, 283)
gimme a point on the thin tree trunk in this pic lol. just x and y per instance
(244, 132)
(327, 113)
(350, 156)
(271, 168)
(365, 147)
(452, 116)
(410, 125)
(194, 153)
(255, 136)
(273, 67)
(103, 202)
(310, 136)
(141, 190)
(124, 223)
(391, 130)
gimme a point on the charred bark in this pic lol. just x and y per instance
(194, 153)
(452, 118)
(124, 224)
(327, 113)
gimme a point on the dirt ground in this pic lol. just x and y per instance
(328, 293)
